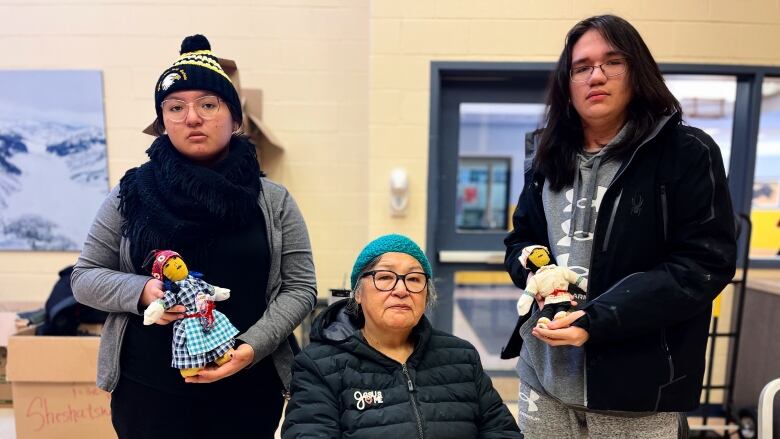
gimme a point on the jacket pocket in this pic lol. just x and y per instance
(663, 389)
(672, 379)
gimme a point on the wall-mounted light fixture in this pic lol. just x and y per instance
(399, 192)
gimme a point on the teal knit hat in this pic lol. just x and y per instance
(387, 244)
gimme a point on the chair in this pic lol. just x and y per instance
(766, 404)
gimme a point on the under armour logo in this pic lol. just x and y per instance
(530, 399)
(636, 204)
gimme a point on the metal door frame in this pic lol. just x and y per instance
(444, 75)
(464, 82)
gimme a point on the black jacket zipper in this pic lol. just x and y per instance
(664, 212)
(606, 241)
(415, 409)
(611, 223)
(614, 206)
(668, 356)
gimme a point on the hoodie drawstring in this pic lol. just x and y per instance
(575, 195)
(589, 194)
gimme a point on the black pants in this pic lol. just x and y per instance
(551, 309)
(141, 412)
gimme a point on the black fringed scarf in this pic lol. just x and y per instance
(172, 203)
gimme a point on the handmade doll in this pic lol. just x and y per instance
(550, 281)
(204, 335)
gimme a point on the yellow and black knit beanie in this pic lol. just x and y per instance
(196, 69)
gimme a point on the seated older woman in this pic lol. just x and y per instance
(377, 369)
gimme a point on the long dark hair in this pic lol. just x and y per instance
(562, 137)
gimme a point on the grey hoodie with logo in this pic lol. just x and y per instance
(560, 371)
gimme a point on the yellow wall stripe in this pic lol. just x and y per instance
(482, 278)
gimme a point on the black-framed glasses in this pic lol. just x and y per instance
(386, 280)
(611, 68)
(176, 110)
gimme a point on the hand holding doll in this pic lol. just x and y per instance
(203, 335)
(550, 281)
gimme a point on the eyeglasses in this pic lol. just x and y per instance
(386, 280)
(611, 68)
(176, 110)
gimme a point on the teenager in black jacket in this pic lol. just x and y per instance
(376, 369)
(625, 194)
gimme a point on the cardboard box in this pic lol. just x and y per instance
(5, 387)
(53, 384)
(7, 327)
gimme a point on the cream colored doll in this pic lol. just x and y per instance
(550, 281)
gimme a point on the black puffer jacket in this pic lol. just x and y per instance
(342, 387)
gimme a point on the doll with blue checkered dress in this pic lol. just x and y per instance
(204, 335)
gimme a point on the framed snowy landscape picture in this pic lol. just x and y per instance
(53, 169)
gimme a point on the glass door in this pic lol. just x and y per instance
(476, 177)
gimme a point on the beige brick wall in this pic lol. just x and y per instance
(310, 57)
(406, 35)
(346, 84)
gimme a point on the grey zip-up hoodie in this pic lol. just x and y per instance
(559, 371)
(104, 278)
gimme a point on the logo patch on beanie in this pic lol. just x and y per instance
(170, 78)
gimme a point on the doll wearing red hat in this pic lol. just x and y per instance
(203, 335)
